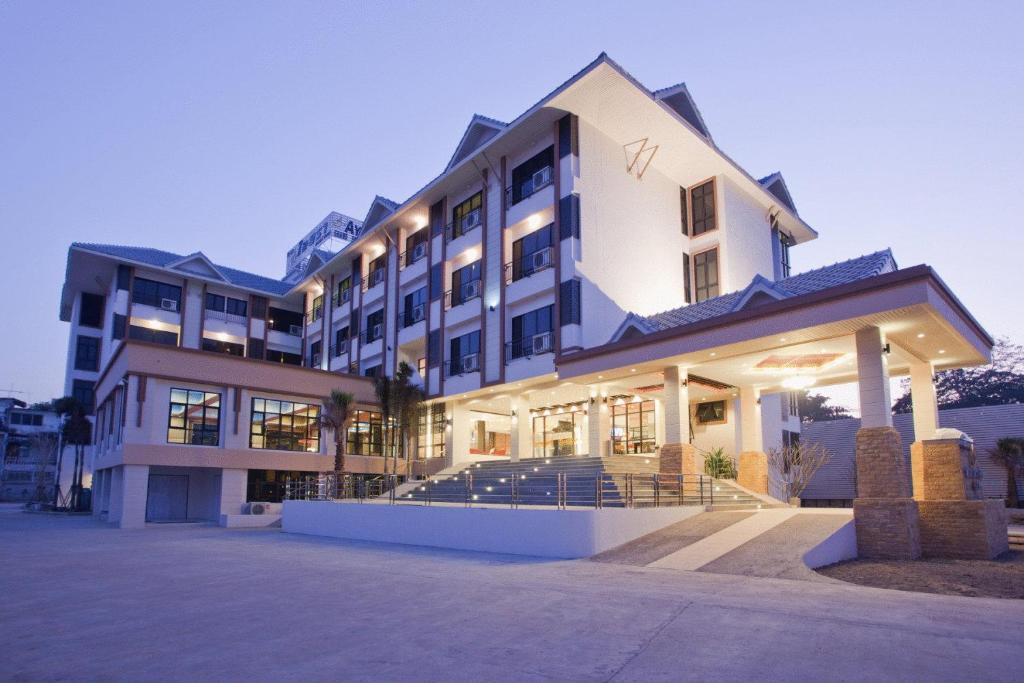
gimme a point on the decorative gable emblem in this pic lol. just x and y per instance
(639, 156)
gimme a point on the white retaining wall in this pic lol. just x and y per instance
(563, 534)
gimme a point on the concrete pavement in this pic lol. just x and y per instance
(82, 601)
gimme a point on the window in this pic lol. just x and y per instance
(366, 433)
(91, 312)
(569, 217)
(555, 435)
(194, 418)
(462, 351)
(148, 334)
(83, 391)
(533, 253)
(259, 307)
(340, 341)
(712, 412)
(702, 203)
(378, 267)
(374, 371)
(430, 426)
(314, 353)
(375, 326)
(465, 284)
(284, 357)
(218, 346)
(289, 322)
(343, 292)
(318, 308)
(256, 348)
(284, 426)
(87, 353)
(415, 308)
(157, 294)
(526, 328)
(790, 439)
(466, 216)
(237, 307)
(705, 272)
(412, 254)
(632, 427)
(531, 175)
(27, 419)
(785, 241)
(570, 302)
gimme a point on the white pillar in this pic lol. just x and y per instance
(521, 443)
(676, 402)
(457, 433)
(134, 492)
(599, 424)
(926, 407)
(115, 496)
(873, 379)
(750, 420)
(233, 490)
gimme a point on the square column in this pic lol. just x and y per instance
(752, 468)
(457, 433)
(134, 493)
(599, 424)
(521, 442)
(676, 403)
(885, 515)
(926, 406)
(234, 486)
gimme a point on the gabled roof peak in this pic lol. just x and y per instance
(480, 129)
(776, 185)
(380, 208)
(678, 98)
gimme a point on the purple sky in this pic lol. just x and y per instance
(235, 127)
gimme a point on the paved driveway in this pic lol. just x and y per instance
(81, 601)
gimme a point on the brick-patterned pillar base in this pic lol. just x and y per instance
(680, 458)
(887, 528)
(752, 471)
(884, 513)
(956, 520)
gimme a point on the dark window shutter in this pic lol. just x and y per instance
(436, 285)
(565, 136)
(687, 291)
(124, 276)
(259, 307)
(684, 211)
(434, 348)
(357, 270)
(120, 323)
(570, 309)
(255, 348)
(569, 217)
(436, 218)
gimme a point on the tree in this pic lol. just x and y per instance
(816, 408)
(407, 398)
(1000, 382)
(1009, 452)
(334, 415)
(44, 447)
(76, 430)
(793, 467)
(384, 386)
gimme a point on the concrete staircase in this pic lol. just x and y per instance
(617, 480)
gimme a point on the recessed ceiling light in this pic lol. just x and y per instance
(942, 350)
(632, 369)
(782, 339)
(713, 353)
(600, 376)
(920, 335)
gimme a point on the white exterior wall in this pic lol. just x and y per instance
(746, 247)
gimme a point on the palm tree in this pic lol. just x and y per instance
(334, 415)
(383, 386)
(76, 430)
(1009, 452)
(406, 398)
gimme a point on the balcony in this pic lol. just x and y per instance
(214, 314)
(457, 367)
(527, 347)
(535, 262)
(532, 185)
(342, 297)
(466, 292)
(372, 333)
(411, 256)
(464, 225)
(412, 315)
(374, 278)
(315, 359)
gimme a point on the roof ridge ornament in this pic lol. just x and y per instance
(639, 157)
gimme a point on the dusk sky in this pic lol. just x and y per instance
(233, 128)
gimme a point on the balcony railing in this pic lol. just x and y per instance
(157, 302)
(532, 185)
(314, 359)
(314, 315)
(373, 279)
(527, 265)
(372, 333)
(411, 256)
(411, 316)
(533, 345)
(293, 330)
(463, 365)
(343, 297)
(463, 225)
(214, 314)
(466, 292)
(337, 349)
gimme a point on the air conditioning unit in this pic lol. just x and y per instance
(471, 219)
(378, 331)
(258, 509)
(346, 295)
(169, 304)
(417, 313)
(471, 290)
(295, 330)
(471, 363)
(542, 343)
(342, 347)
(541, 178)
(541, 259)
(419, 251)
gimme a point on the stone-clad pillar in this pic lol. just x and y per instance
(884, 512)
(752, 468)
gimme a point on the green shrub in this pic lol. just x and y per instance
(719, 465)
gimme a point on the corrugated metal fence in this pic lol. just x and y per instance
(836, 480)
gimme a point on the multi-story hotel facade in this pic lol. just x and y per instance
(595, 277)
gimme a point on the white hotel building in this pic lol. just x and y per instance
(595, 277)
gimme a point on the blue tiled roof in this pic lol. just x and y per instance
(804, 283)
(162, 259)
